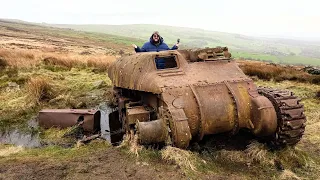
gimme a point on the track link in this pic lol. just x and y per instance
(290, 115)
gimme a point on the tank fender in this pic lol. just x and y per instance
(263, 116)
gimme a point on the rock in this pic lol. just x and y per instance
(99, 84)
(56, 100)
(13, 86)
(145, 164)
(81, 105)
(312, 70)
(85, 53)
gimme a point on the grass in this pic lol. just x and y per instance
(279, 59)
(7, 150)
(20, 59)
(185, 159)
(255, 162)
(49, 80)
(39, 89)
(276, 72)
(56, 153)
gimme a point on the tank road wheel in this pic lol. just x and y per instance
(290, 117)
(154, 132)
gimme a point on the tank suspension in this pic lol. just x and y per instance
(150, 132)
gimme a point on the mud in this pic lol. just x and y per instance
(30, 137)
(108, 164)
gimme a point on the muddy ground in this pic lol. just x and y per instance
(108, 164)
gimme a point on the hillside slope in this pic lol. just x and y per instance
(268, 49)
(59, 36)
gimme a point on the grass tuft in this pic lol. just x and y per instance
(287, 174)
(3, 63)
(257, 152)
(39, 89)
(318, 94)
(100, 64)
(131, 141)
(183, 158)
(59, 61)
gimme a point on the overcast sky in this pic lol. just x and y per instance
(286, 18)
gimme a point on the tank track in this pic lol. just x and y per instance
(290, 115)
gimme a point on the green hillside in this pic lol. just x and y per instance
(111, 41)
(267, 49)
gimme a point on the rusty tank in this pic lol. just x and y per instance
(195, 93)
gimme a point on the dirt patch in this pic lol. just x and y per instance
(108, 164)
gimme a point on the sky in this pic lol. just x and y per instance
(269, 18)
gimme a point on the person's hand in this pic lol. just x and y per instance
(135, 46)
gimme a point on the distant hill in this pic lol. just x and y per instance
(276, 50)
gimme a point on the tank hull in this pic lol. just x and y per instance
(205, 93)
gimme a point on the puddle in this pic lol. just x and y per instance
(18, 138)
(29, 139)
(109, 127)
(105, 110)
(21, 138)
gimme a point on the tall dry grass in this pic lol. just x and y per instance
(18, 57)
(276, 72)
(21, 58)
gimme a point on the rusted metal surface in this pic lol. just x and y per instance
(264, 117)
(206, 93)
(138, 72)
(62, 118)
(137, 114)
(152, 132)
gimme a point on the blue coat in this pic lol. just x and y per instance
(151, 47)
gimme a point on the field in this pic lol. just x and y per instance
(42, 67)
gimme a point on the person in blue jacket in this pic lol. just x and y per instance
(155, 44)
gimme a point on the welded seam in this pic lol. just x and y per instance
(236, 103)
(201, 130)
